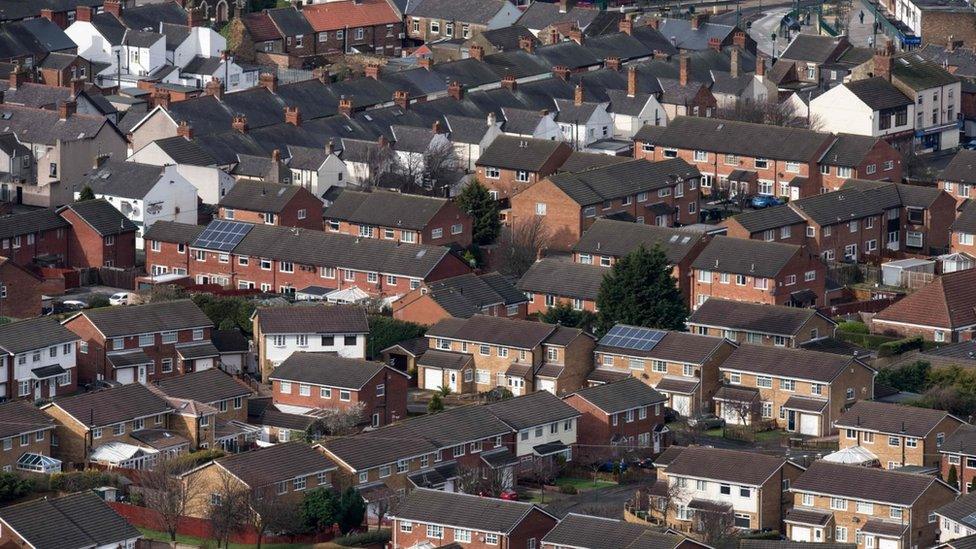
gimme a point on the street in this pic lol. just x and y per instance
(606, 502)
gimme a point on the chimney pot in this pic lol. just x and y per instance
(578, 94)
(739, 39)
(83, 13)
(561, 71)
(114, 7)
(476, 51)
(66, 109)
(269, 81)
(509, 82)
(293, 116)
(184, 130)
(612, 63)
(240, 123)
(436, 126)
(760, 66)
(526, 43)
(715, 43)
(215, 88)
(345, 106)
(161, 98)
(373, 71)
(696, 21)
(632, 82)
(276, 155)
(455, 90)
(18, 75)
(77, 86)
(401, 99)
(425, 62)
(626, 26)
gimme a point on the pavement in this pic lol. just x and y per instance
(858, 33)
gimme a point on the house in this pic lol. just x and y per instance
(553, 282)
(276, 426)
(511, 164)
(263, 32)
(897, 435)
(74, 521)
(956, 178)
(871, 507)
(16, 162)
(870, 107)
(297, 37)
(194, 163)
(34, 237)
(959, 543)
(530, 123)
(626, 414)
(271, 204)
(859, 157)
(939, 311)
(233, 351)
(407, 218)
(747, 488)
(431, 20)
(106, 418)
(959, 453)
(632, 108)
(306, 382)
(281, 331)
(545, 427)
(813, 62)
(697, 33)
(283, 470)
(462, 297)
(138, 343)
(800, 391)
(21, 291)
(482, 352)
(288, 259)
(661, 193)
(218, 390)
(38, 360)
(583, 122)
(356, 26)
(590, 532)
(26, 439)
(956, 521)
(432, 516)
(100, 235)
(142, 192)
(682, 366)
(317, 169)
(948, 24)
(470, 135)
(763, 272)
(683, 96)
(759, 324)
(926, 214)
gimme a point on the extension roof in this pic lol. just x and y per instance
(208, 386)
(260, 196)
(815, 48)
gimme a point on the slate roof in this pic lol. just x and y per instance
(385, 209)
(207, 386)
(315, 319)
(563, 278)
(149, 16)
(919, 74)
(20, 416)
(962, 510)
(507, 38)
(891, 418)
(109, 27)
(543, 14)
(849, 150)
(531, 410)
(786, 362)
(75, 521)
(36, 221)
(788, 544)
(113, 405)
(962, 168)
(757, 221)
(262, 411)
(466, 295)
(813, 48)
(45, 126)
(619, 238)
(521, 334)
(171, 231)
(862, 483)
(349, 14)
(949, 301)
(687, 38)
(579, 161)
(590, 532)
(444, 360)
(620, 396)
(720, 464)
(460, 510)
(202, 65)
(102, 216)
(267, 466)
(141, 39)
(744, 138)
(260, 196)
(519, 153)
(32, 334)
(36, 95)
(260, 26)
(878, 93)
(627, 178)
(147, 318)
(743, 256)
(675, 346)
(751, 317)
(120, 178)
(329, 370)
(185, 151)
(479, 11)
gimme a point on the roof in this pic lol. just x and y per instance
(862, 483)
(463, 510)
(290, 21)
(207, 386)
(949, 302)
(531, 410)
(563, 278)
(75, 521)
(962, 168)
(315, 319)
(721, 464)
(543, 14)
(619, 238)
(20, 416)
(878, 93)
(469, 11)
(350, 14)
(34, 334)
(260, 26)
(892, 418)
(121, 178)
(468, 294)
(814, 48)
(589, 532)
(45, 125)
(267, 466)
(744, 138)
(849, 203)
(626, 178)
(113, 405)
(262, 411)
(744, 256)
(620, 396)
(444, 360)
(171, 231)
(229, 341)
(163, 316)
(788, 544)
(736, 394)
(918, 73)
(101, 216)
(185, 151)
(202, 65)
(507, 38)
(849, 150)
(687, 38)
(786, 362)
(751, 317)
(962, 510)
(521, 334)
(385, 208)
(329, 370)
(260, 196)
(674, 346)
(520, 153)
(757, 221)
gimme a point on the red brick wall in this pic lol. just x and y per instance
(87, 248)
(797, 235)
(53, 242)
(595, 429)
(375, 36)
(877, 156)
(288, 216)
(562, 217)
(538, 303)
(776, 292)
(535, 525)
(24, 290)
(391, 407)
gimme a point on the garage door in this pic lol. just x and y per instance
(125, 376)
(681, 404)
(809, 424)
(801, 533)
(884, 543)
(433, 378)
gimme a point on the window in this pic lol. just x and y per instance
(761, 163)
(895, 512)
(344, 395)
(492, 173)
(406, 526)
(840, 533)
(284, 387)
(540, 208)
(844, 172)
(894, 441)
(767, 409)
(790, 280)
(850, 393)
(811, 232)
(299, 483)
(764, 382)
(522, 176)
(304, 390)
(491, 539)
(701, 156)
(787, 384)
(838, 504)
(914, 239)
(462, 536)
(725, 489)
(437, 233)
(807, 500)
(865, 508)
(119, 429)
(265, 264)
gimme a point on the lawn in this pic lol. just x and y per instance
(164, 536)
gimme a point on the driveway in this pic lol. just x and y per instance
(606, 502)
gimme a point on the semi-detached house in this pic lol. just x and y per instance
(281, 331)
(37, 360)
(760, 324)
(959, 453)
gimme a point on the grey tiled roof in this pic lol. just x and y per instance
(260, 196)
(687, 38)
(863, 483)
(849, 150)
(120, 178)
(520, 153)
(627, 178)
(459, 510)
(267, 466)
(329, 370)
(720, 464)
(878, 93)
(102, 216)
(20, 416)
(675, 346)
(621, 395)
(968, 542)
(171, 231)
(148, 318)
(590, 532)
(33, 334)
(962, 168)
(45, 126)
(744, 138)
(962, 510)
(540, 15)
(892, 418)
(538, 408)
(757, 221)
(786, 362)
(467, 11)
(563, 278)
(114, 405)
(814, 48)
(314, 319)
(743, 256)
(521, 334)
(507, 38)
(465, 295)
(35, 221)
(619, 238)
(185, 151)
(261, 411)
(444, 360)
(208, 386)
(919, 74)
(751, 317)
(290, 21)
(75, 521)
(385, 209)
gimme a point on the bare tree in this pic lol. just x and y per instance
(229, 508)
(380, 161)
(664, 498)
(716, 527)
(169, 495)
(383, 507)
(484, 480)
(771, 112)
(342, 422)
(522, 244)
(271, 513)
(745, 412)
(439, 162)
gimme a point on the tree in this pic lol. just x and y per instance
(563, 313)
(522, 244)
(440, 163)
(229, 511)
(239, 41)
(952, 479)
(385, 506)
(338, 422)
(227, 311)
(716, 527)
(476, 201)
(319, 509)
(14, 486)
(770, 112)
(436, 404)
(271, 513)
(352, 510)
(483, 480)
(639, 290)
(385, 331)
(86, 194)
(909, 377)
(166, 493)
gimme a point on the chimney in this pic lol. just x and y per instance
(330, 147)
(436, 126)
(612, 63)
(373, 71)
(632, 82)
(455, 90)
(734, 62)
(526, 43)
(760, 66)
(576, 35)
(114, 7)
(626, 26)
(508, 82)
(554, 36)
(276, 156)
(654, 23)
(161, 98)
(401, 99)
(269, 81)
(184, 130)
(683, 63)
(425, 62)
(563, 6)
(715, 43)
(214, 88)
(77, 86)
(47, 13)
(195, 17)
(345, 106)
(293, 116)
(883, 61)
(240, 123)
(561, 71)
(18, 75)
(696, 21)
(578, 94)
(739, 39)
(83, 13)
(66, 109)
(476, 52)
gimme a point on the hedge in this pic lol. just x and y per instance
(900, 346)
(363, 539)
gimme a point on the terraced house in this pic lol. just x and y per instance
(897, 435)
(406, 218)
(759, 324)
(37, 359)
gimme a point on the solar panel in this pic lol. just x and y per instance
(222, 235)
(632, 337)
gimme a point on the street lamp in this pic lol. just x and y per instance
(773, 36)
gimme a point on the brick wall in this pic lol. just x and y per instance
(382, 40)
(926, 451)
(24, 249)
(87, 248)
(23, 292)
(390, 407)
(595, 428)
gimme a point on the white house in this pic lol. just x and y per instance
(142, 53)
(42, 353)
(192, 162)
(631, 112)
(281, 331)
(534, 124)
(188, 43)
(872, 107)
(201, 70)
(318, 170)
(956, 519)
(470, 136)
(412, 144)
(582, 122)
(98, 39)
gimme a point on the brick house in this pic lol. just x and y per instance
(356, 24)
(759, 324)
(297, 35)
(137, 343)
(281, 331)
(522, 355)
(461, 297)
(312, 381)
(859, 157)
(227, 395)
(35, 237)
(958, 178)
(458, 20)
(271, 204)
(99, 235)
(959, 452)
(897, 435)
(760, 272)
(683, 367)
(925, 216)
(941, 311)
(26, 430)
(661, 193)
(511, 164)
(800, 391)
(37, 360)
(552, 282)
(865, 506)
(626, 413)
(286, 259)
(407, 218)
(963, 230)
(748, 488)
(21, 291)
(591, 532)
(607, 240)
(82, 516)
(428, 517)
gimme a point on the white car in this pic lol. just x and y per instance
(73, 305)
(120, 298)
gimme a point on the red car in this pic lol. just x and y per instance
(510, 495)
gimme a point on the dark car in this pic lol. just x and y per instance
(706, 421)
(761, 201)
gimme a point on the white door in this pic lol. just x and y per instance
(52, 387)
(794, 193)
(433, 378)
(547, 385)
(801, 533)
(885, 543)
(730, 414)
(37, 390)
(142, 373)
(810, 424)
(657, 443)
(681, 404)
(452, 381)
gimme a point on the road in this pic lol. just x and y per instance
(605, 502)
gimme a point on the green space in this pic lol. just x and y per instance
(583, 484)
(163, 536)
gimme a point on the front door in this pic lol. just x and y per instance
(794, 193)
(452, 381)
(657, 443)
(790, 420)
(37, 390)
(142, 374)
(52, 387)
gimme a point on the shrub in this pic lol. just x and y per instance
(14, 486)
(364, 539)
(77, 481)
(853, 327)
(568, 489)
(385, 331)
(899, 346)
(186, 462)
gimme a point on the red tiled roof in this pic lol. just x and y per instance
(339, 15)
(949, 301)
(261, 27)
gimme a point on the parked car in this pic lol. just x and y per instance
(761, 201)
(610, 466)
(73, 305)
(510, 495)
(706, 421)
(670, 415)
(970, 145)
(119, 298)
